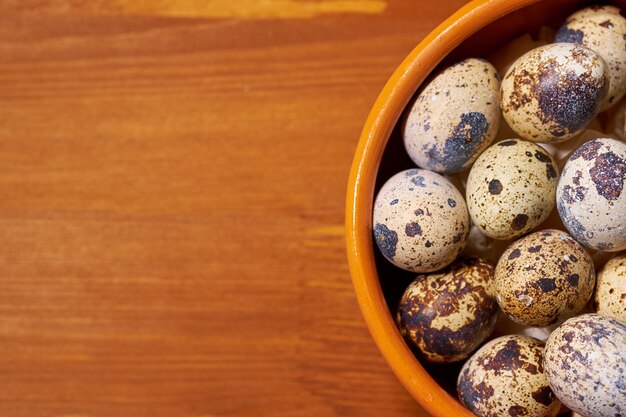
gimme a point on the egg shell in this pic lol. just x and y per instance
(562, 151)
(455, 117)
(552, 92)
(587, 12)
(544, 277)
(505, 326)
(420, 221)
(590, 195)
(603, 30)
(504, 57)
(610, 296)
(511, 188)
(505, 377)
(585, 362)
(446, 315)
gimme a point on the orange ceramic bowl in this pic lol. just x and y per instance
(475, 30)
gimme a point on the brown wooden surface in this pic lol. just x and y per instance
(173, 181)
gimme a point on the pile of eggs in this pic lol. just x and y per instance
(545, 212)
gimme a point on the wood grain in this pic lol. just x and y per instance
(241, 9)
(172, 212)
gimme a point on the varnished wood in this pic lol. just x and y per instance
(172, 209)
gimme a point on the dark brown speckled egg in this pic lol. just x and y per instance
(544, 277)
(448, 314)
(551, 93)
(585, 363)
(505, 377)
(603, 30)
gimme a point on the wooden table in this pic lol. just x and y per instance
(173, 183)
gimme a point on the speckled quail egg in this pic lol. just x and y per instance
(455, 117)
(585, 362)
(544, 277)
(609, 298)
(590, 197)
(552, 92)
(420, 221)
(602, 29)
(511, 188)
(448, 314)
(505, 377)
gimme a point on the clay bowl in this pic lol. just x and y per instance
(480, 27)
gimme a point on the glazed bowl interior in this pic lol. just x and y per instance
(476, 30)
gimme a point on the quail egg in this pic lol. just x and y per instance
(585, 363)
(511, 188)
(505, 377)
(603, 30)
(448, 314)
(455, 117)
(420, 221)
(610, 296)
(590, 197)
(551, 93)
(544, 277)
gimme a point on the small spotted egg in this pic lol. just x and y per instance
(455, 117)
(505, 377)
(448, 314)
(610, 296)
(552, 92)
(511, 188)
(590, 197)
(420, 221)
(603, 30)
(585, 362)
(544, 277)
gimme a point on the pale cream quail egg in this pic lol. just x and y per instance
(585, 363)
(511, 188)
(590, 195)
(420, 221)
(455, 117)
(610, 296)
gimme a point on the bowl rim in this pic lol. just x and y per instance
(380, 122)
